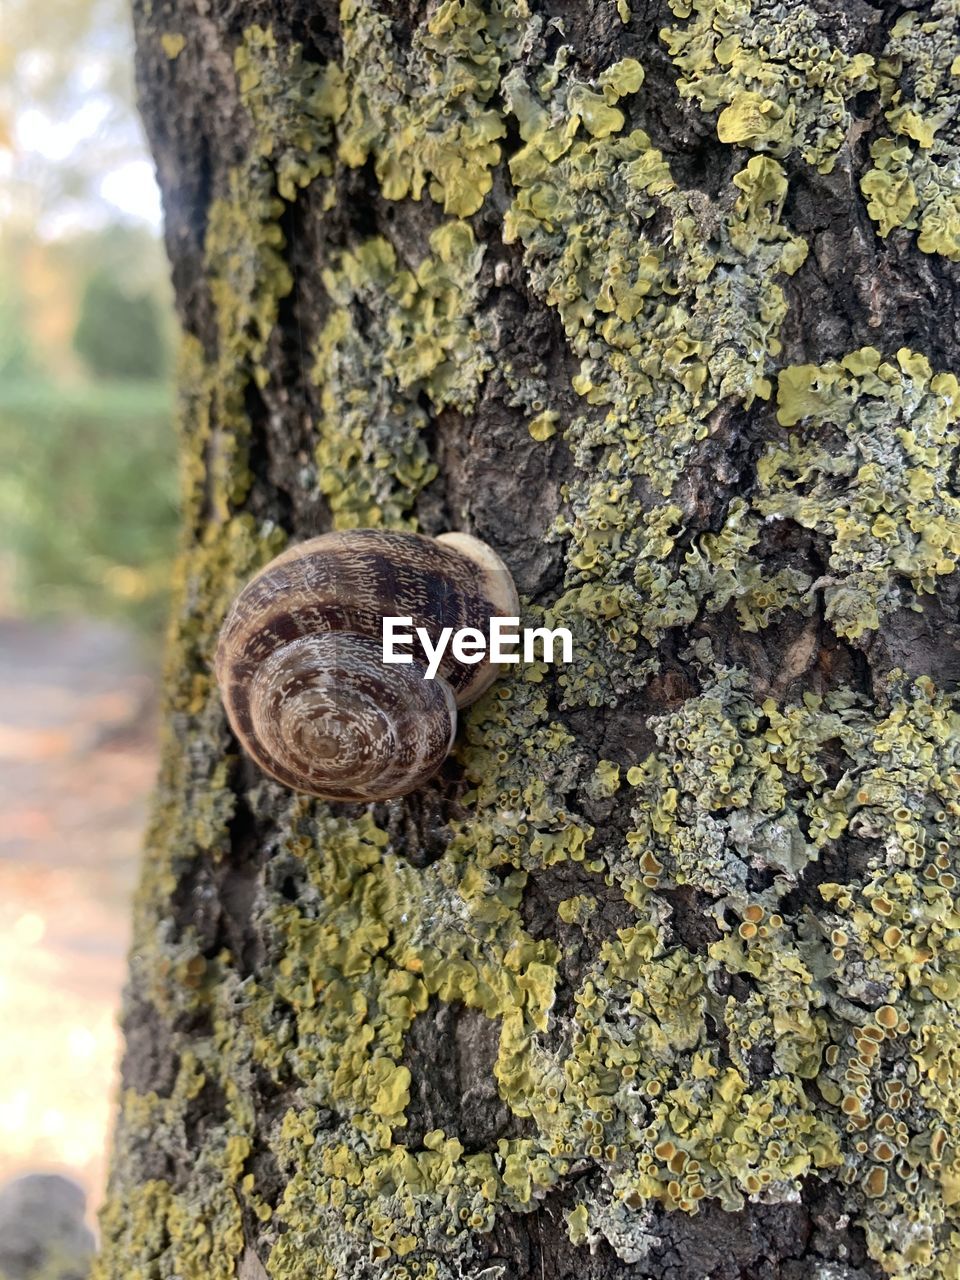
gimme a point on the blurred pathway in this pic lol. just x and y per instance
(77, 761)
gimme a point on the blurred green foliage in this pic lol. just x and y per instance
(88, 478)
(120, 334)
(88, 475)
(15, 354)
(88, 496)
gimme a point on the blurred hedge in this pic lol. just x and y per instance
(88, 495)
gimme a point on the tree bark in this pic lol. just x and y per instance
(658, 978)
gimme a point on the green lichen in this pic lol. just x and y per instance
(248, 277)
(293, 106)
(248, 274)
(870, 469)
(749, 782)
(197, 1230)
(869, 472)
(423, 343)
(781, 83)
(544, 425)
(426, 114)
(642, 1092)
(915, 179)
(605, 781)
(668, 327)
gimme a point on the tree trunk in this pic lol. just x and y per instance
(659, 977)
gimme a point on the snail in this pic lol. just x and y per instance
(300, 659)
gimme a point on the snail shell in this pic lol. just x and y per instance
(300, 658)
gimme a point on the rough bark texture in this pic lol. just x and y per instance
(659, 977)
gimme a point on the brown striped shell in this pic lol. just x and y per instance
(300, 669)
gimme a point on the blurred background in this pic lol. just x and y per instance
(87, 528)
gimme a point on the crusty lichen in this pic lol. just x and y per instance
(838, 1058)
(852, 999)
(248, 277)
(150, 1227)
(642, 1091)
(915, 179)
(196, 1230)
(667, 328)
(292, 106)
(880, 489)
(782, 84)
(427, 114)
(419, 340)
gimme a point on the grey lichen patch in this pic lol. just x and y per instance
(217, 555)
(195, 804)
(871, 469)
(915, 181)
(196, 1229)
(784, 86)
(420, 339)
(719, 809)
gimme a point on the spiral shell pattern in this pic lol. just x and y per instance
(300, 666)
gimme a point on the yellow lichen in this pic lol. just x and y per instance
(914, 181)
(772, 68)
